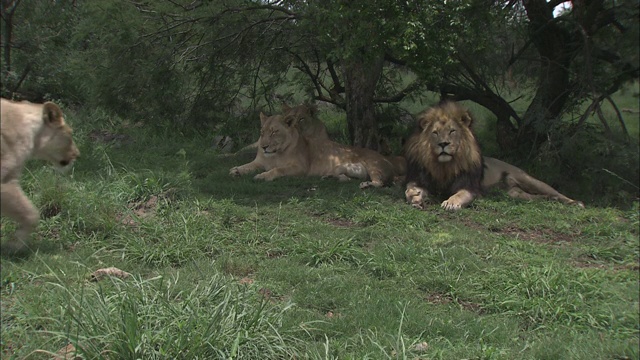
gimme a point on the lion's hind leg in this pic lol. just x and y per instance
(16, 205)
(526, 187)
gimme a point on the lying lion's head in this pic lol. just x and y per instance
(277, 134)
(309, 125)
(54, 142)
(444, 143)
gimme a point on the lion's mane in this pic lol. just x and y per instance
(463, 171)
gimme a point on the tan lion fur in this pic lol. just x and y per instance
(444, 160)
(307, 150)
(519, 184)
(28, 131)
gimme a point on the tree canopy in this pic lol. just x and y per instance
(196, 61)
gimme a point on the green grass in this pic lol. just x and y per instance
(304, 268)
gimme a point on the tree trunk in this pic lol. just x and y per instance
(8, 9)
(361, 76)
(556, 49)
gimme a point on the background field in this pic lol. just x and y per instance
(309, 268)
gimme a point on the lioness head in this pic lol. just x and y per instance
(277, 134)
(306, 116)
(54, 142)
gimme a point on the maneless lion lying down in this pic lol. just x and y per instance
(287, 147)
(29, 130)
(444, 160)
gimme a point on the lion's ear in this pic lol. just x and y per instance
(52, 115)
(423, 121)
(263, 118)
(466, 118)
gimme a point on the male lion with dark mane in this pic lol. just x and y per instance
(295, 143)
(29, 130)
(444, 160)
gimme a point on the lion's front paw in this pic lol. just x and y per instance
(234, 171)
(450, 205)
(458, 200)
(577, 203)
(415, 197)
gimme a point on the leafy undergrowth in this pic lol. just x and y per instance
(305, 268)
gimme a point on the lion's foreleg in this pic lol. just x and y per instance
(18, 207)
(415, 195)
(458, 200)
(245, 169)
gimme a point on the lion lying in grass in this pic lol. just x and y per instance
(295, 144)
(444, 160)
(29, 130)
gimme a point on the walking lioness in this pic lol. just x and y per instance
(29, 130)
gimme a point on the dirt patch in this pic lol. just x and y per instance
(587, 264)
(544, 236)
(140, 210)
(444, 299)
(342, 223)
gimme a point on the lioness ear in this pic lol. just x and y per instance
(51, 114)
(291, 121)
(263, 117)
(313, 109)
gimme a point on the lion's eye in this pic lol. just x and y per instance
(435, 133)
(452, 131)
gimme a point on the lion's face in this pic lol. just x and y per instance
(443, 143)
(445, 137)
(55, 140)
(276, 134)
(446, 131)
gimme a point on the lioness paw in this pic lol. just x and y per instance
(266, 176)
(234, 171)
(368, 184)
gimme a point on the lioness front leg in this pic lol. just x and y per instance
(415, 195)
(458, 200)
(279, 172)
(18, 207)
(245, 169)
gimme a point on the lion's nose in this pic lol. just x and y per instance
(444, 144)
